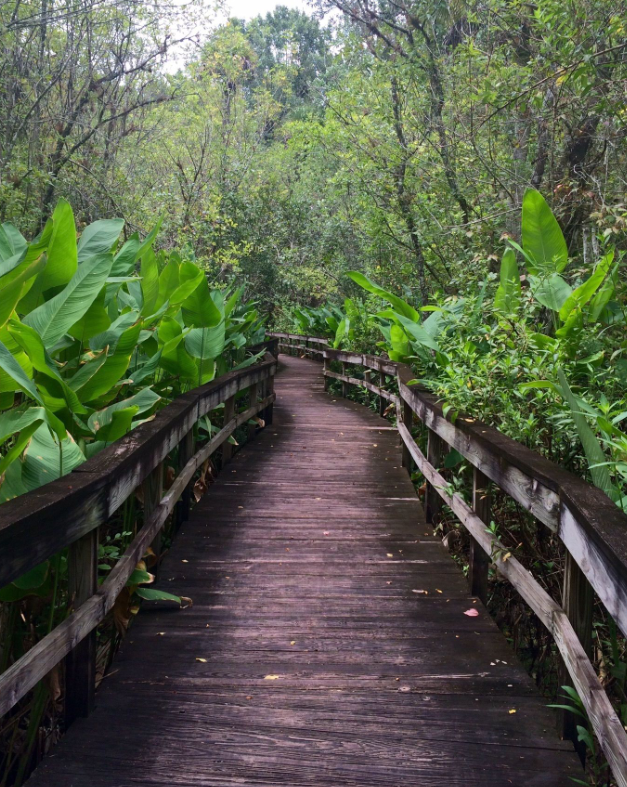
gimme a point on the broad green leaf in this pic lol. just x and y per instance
(12, 368)
(341, 332)
(148, 240)
(140, 577)
(603, 296)
(87, 371)
(124, 260)
(551, 291)
(15, 284)
(120, 424)
(13, 421)
(62, 252)
(98, 238)
(190, 277)
(579, 297)
(12, 242)
(507, 298)
(34, 578)
(150, 594)
(400, 342)
(147, 369)
(542, 236)
(168, 283)
(11, 263)
(418, 333)
(55, 317)
(399, 304)
(205, 343)
(199, 308)
(21, 442)
(109, 338)
(112, 370)
(95, 320)
(233, 300)
(149, 282)
(47, 458)
(141, 402)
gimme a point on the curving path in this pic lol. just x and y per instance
(327, 644)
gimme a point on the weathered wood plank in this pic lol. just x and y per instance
(327, 643)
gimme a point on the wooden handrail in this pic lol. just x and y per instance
(67, 513)
(591, 527)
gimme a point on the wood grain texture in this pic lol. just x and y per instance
(327, 644)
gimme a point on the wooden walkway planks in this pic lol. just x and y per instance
(323, 665)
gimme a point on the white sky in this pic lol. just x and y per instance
(247, 9)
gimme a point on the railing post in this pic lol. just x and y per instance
(253, 392)
(325, 369)
(408, 417)
(382, 402)
(153, 492)
(186, 451)
(268, 413)
(436, 448)
(577, 602)
(344, 383)
(80, 664)
(479, 560)
(229, 412)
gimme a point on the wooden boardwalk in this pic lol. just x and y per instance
(327, 644)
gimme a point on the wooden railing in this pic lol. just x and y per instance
(591, 527)
(68, 512)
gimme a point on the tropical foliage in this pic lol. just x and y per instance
(95, 336)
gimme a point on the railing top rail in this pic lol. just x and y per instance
(38, 524)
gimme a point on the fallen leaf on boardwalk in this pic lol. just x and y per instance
(202, 661)
(184, 561)
(437, 590)
(513, 710)
(472, 613)
(200, 487)
(420, 591)
(389, 554)
(325, 532)
(293, 642)
(507, 557)
(272, 677)
(374, 445)
(186, 602)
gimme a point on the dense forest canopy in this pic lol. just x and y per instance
(397, 138)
